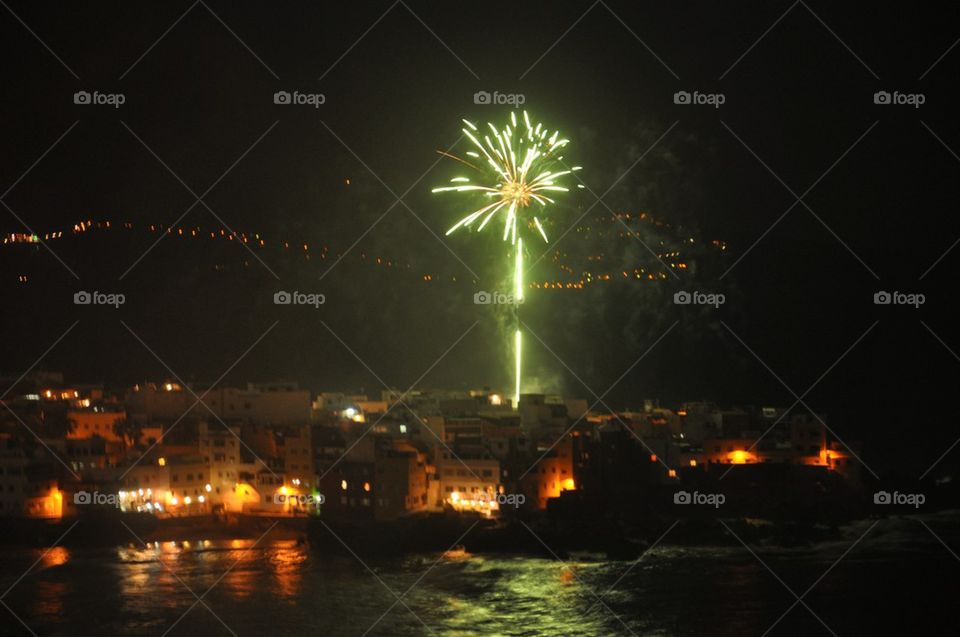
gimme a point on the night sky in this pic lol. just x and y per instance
(877, 184)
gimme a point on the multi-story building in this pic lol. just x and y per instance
(164, 402)
(401, 484)
(467, 483)
(220, 448)
(329, 446)
(95, 421)
(296, 449)
(82, 455)
(772, 435)
(28, 486)
(190, 483)
(552, 474)
(265, 403)
(347, 487)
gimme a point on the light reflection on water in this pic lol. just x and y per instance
(285, 588)
(237, 568)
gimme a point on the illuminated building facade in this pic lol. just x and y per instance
(468, 484)
(551, 475)
(28, 487)
(95, 421)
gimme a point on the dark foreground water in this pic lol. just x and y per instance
(899, 579)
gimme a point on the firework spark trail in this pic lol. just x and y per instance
(522, 189)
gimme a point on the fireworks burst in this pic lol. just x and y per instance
(520, 168)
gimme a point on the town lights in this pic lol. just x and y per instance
(207, 488)
(354, 414)
(187, 500)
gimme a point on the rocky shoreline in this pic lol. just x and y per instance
(435, 533)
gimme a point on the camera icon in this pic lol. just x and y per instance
(681, 97)
(82, 497)
(282, 298)
(482, 97)
(882, 298)
(482, 298)
(81, 97)
(881, 97)
(682, 497)
(882, 497)
(682, 298)
(281, 97)
(82, 298)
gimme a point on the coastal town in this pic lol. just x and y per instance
(275, 450)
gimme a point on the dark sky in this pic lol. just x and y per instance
(798, 82)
